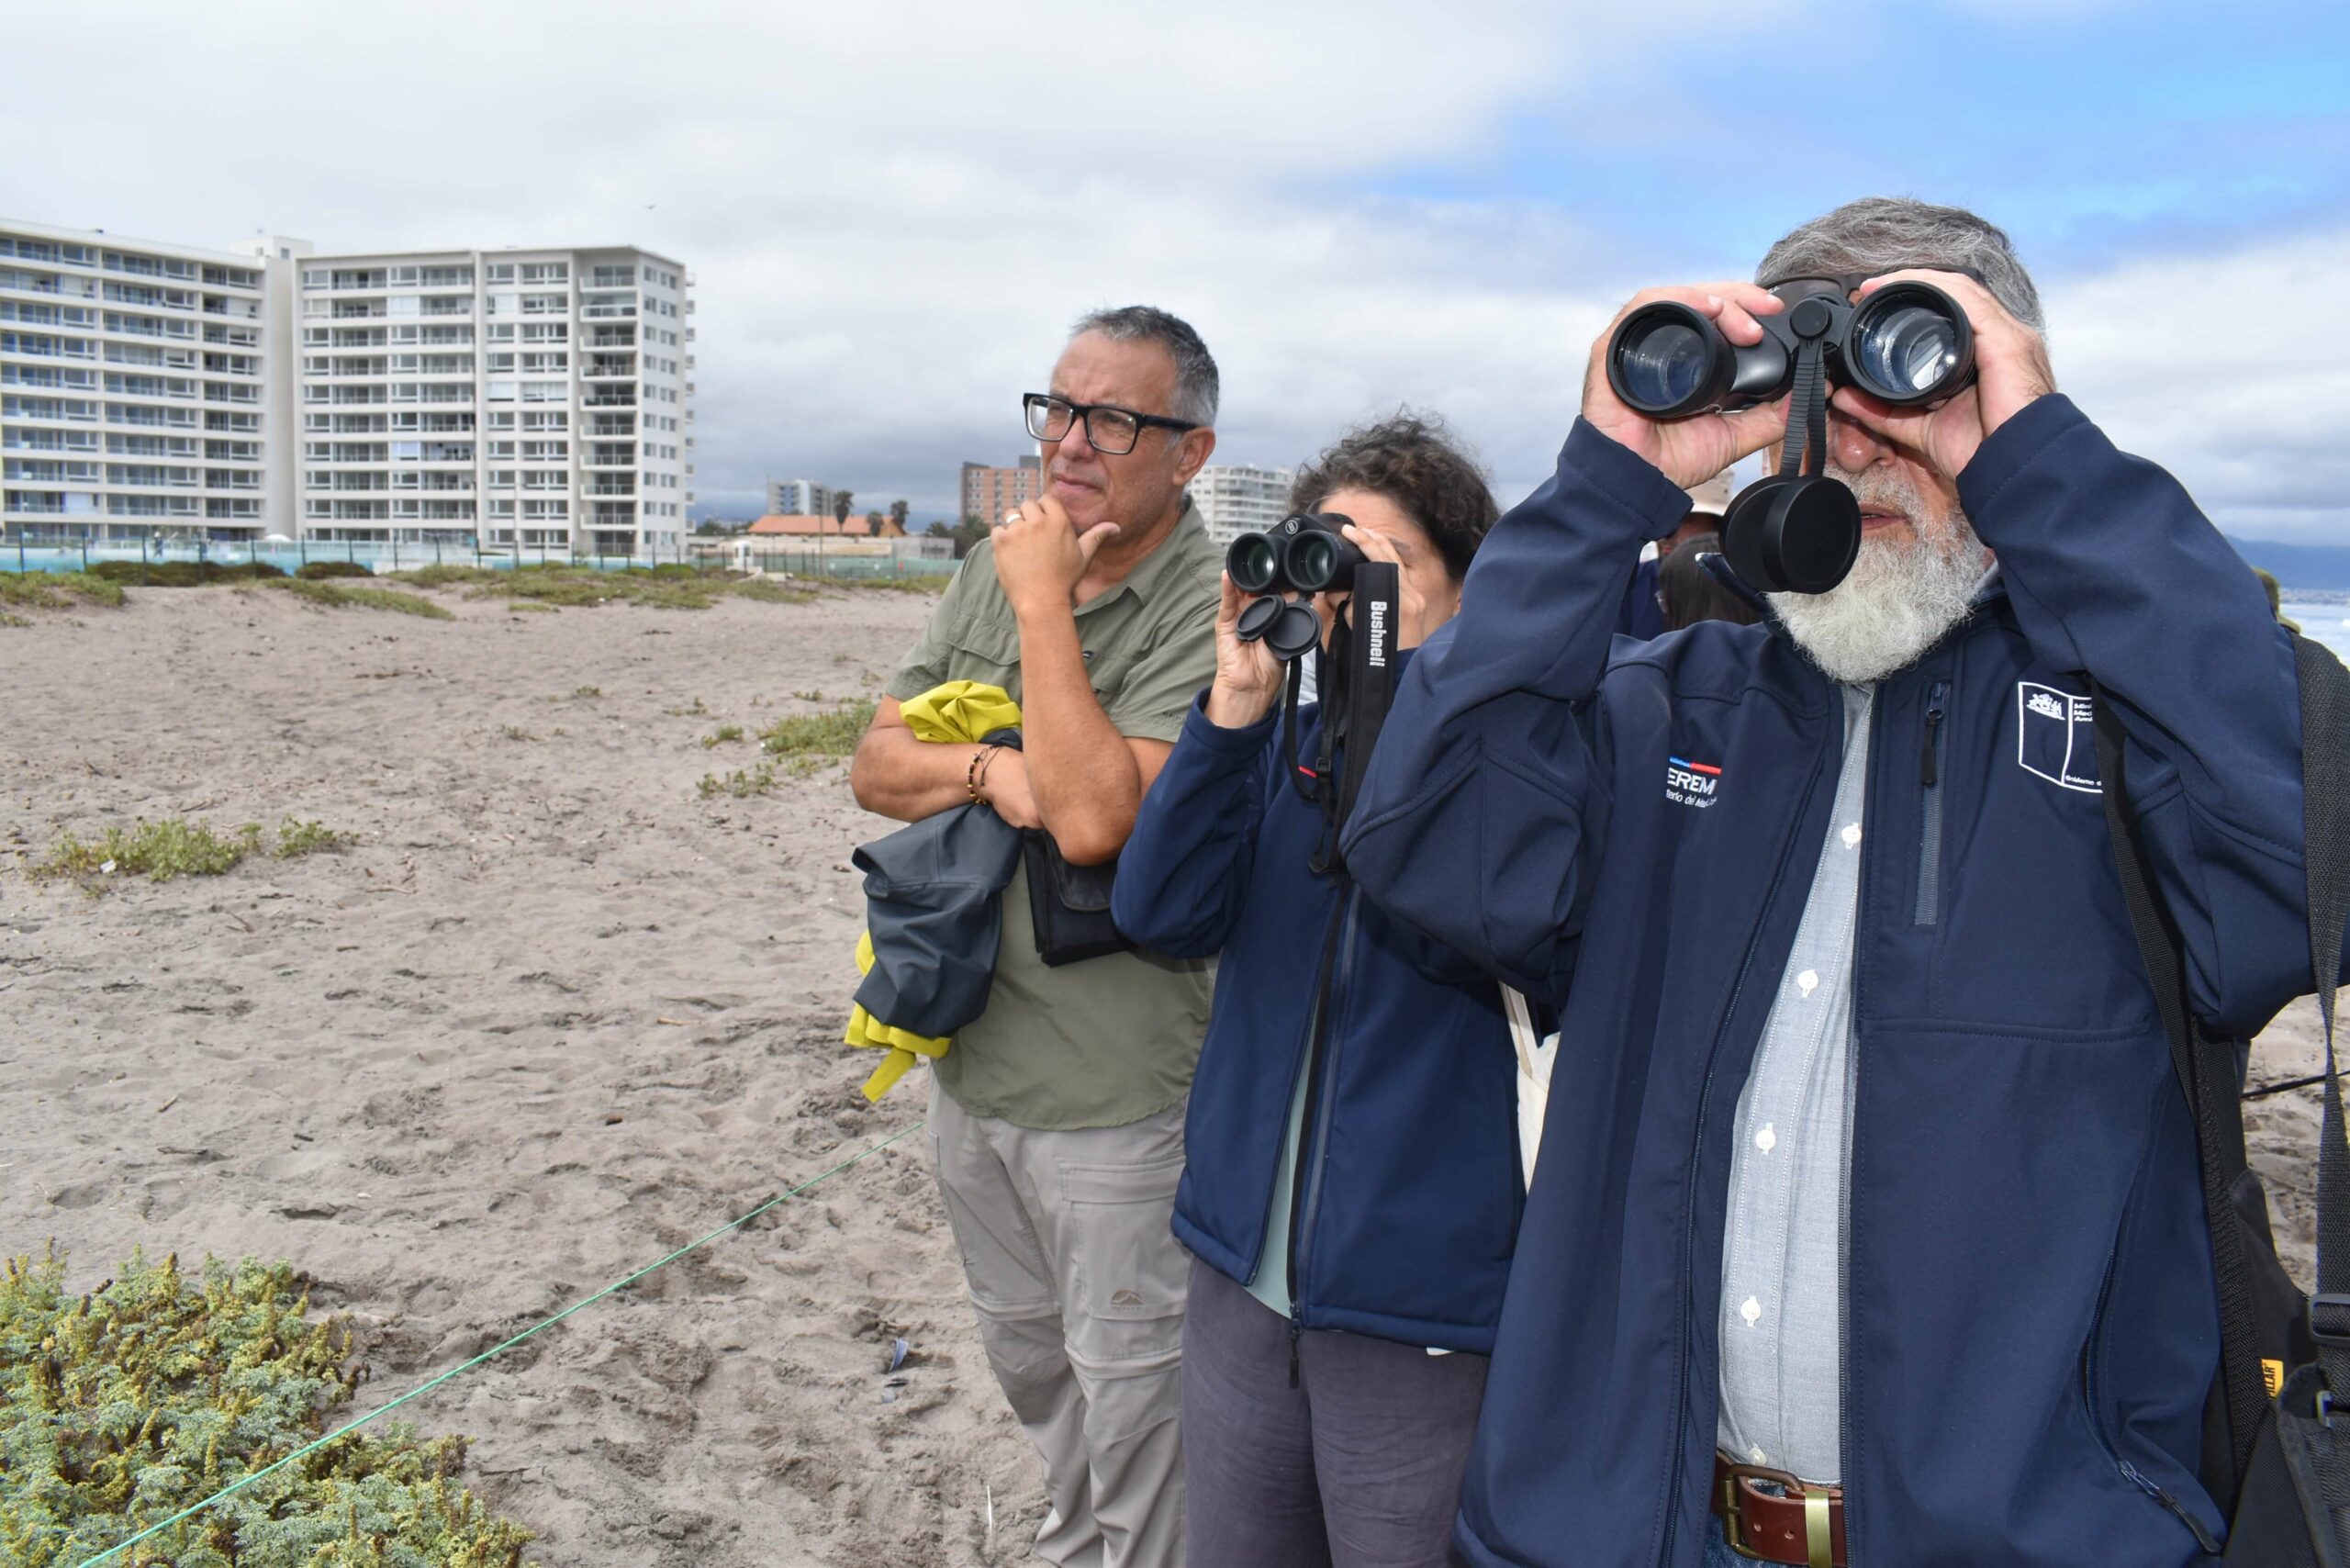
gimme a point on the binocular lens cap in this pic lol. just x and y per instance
(1790, 535)
(1256, 618)
(1294, 631)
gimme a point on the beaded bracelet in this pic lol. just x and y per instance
(973, 774)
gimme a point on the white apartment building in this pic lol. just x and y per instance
(132, 389)
(533, 399)
(1234, 500)
(799, 497)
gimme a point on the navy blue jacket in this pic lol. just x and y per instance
(1408, 1190)
(2030, 1314)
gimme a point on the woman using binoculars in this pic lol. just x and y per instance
(1352, 1189)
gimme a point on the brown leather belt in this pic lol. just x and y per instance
(1770, 1515)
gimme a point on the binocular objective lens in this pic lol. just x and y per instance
(1251, 563)
(1661, 366)
(1312, 562)
(1909, 350)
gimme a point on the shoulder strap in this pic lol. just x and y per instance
(2325, 817)
(2206, 1071)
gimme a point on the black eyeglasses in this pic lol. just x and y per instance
(1112, 431)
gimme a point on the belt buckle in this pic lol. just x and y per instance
(1733, 1504)
(1817, 1526)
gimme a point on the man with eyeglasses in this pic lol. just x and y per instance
(1057, 1117)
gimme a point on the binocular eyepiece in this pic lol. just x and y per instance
(1303, 555)
(1908, 343)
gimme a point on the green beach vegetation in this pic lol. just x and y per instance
(120, 1407)
(160, 851)
(343, 595)
(58, 590)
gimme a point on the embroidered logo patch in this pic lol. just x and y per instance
(1690, 783)
(2056, 736)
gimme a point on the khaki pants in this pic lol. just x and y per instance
(1078, 1286)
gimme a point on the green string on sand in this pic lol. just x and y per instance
(494, 1351)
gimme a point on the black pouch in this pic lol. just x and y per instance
(1069, 905)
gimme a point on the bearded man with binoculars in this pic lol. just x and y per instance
(1868, 1226)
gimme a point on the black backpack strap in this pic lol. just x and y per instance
(2206, 1075)
(2325, 816)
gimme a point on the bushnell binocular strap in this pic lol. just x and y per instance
(1354, 707)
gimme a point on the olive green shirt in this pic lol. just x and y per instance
(1111, 1040)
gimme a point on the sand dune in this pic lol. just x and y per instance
(555, 1014)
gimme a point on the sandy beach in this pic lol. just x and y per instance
(553, 1014)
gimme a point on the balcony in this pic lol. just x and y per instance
(607, 368)
(617, 312)
(610, 398)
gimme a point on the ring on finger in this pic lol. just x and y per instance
(1012, 516)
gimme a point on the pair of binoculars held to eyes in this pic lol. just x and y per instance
(1303, 555)
(1907, 344)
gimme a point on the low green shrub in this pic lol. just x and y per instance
(58, 590)
(121, 1408)
(815, 739)
(316, 571)
(340, 596)
(183, 574)
(173, 848)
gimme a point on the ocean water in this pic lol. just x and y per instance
(2328, 623)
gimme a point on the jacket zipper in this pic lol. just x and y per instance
(1337, 964)
(2128, 1471)
(1697, 1151)
(1930, 833)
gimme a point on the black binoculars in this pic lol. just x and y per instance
(1909, 343)
(1303, 555)
(1906, 343)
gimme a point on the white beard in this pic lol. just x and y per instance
(1897, 603)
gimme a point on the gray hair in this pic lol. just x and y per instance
(1196, 384)
(1883, 234)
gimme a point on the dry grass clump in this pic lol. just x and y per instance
(342, 596)
(160, 851)
(147, 1396)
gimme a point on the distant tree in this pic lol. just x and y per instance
(938, 530)
(840, 509)
(898, 511)
(966, 533)
(707, 528)
(873, 522)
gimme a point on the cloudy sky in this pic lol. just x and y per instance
(893, 210)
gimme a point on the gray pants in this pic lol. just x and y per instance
(1079, 1287)
(1359, 1466)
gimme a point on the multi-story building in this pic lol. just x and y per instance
(799, 497)
(132, 389)
(989, 493)
(535, 400)
(522, 399)
(1234, 500)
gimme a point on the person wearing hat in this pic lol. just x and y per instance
(1643, 614)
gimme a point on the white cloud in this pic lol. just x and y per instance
(894, 210)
